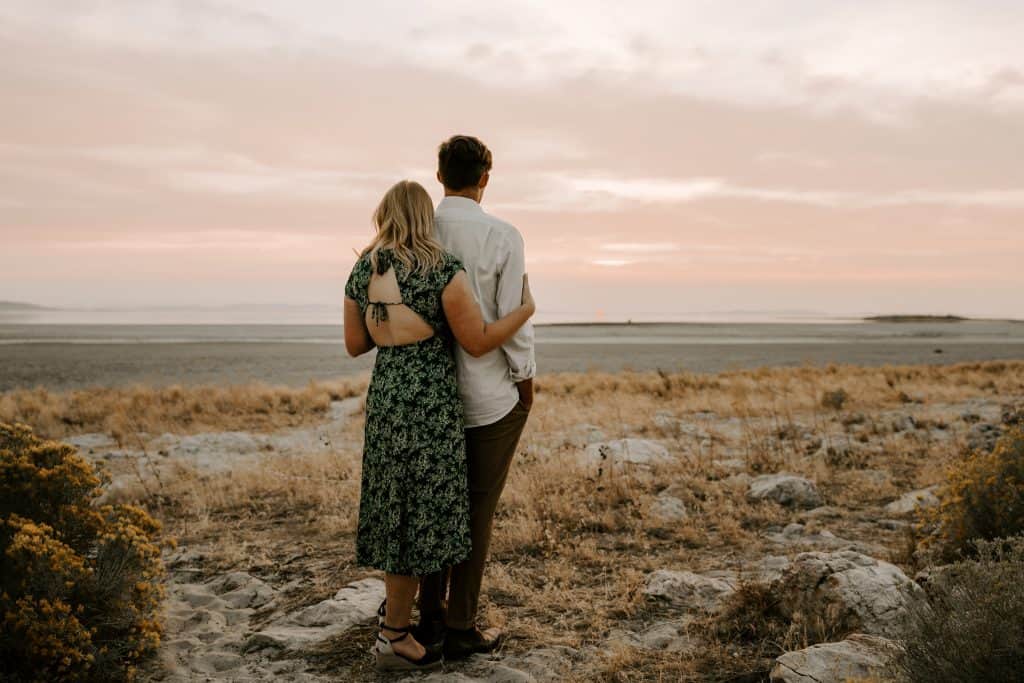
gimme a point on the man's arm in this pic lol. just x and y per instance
(518, 350)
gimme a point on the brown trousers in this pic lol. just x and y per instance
(489, 451)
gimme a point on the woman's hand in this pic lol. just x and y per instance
(528, 295)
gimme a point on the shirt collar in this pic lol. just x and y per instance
(452, 202)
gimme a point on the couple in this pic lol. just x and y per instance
(443, 296)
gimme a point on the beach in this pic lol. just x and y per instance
(62, 357)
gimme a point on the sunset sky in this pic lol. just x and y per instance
(659, 157)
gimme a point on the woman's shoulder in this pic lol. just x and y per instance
(451, 262)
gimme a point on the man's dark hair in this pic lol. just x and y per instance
(462, 160)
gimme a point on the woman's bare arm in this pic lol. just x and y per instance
(357, 337)
(467, 323)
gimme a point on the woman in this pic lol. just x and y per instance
(407, 297)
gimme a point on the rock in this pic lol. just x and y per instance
(91, 442)
(858, 657)
(740, 479)
(666, 420)
(345, 408)
(665, 635)
(241, 590)
(785, 489)
(623, 452)
(585, 434)
(687, 589)
(798, 534)
(848, 591)
(770, 568)
(912, 501)
(668, 508)
(728, 464)
(353, 604)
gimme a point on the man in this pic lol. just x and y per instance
(496, 389)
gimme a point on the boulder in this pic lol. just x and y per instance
(668, 508)
(858, 657)
(687, 589)
(912, 501)
(848, 591)
(785, 489)
(621, 453)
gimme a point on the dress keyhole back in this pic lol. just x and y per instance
(391, 322)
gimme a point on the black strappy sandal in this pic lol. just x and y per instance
(382, 613)
(389, 660)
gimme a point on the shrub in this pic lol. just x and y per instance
(982, 499)
(80, 584)
(835, 400)
(970, 628)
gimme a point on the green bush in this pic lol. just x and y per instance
(982, 499)
(971, 629)
(80, 583)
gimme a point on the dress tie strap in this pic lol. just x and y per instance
(379, 310)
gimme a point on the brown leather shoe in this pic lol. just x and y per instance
(461, 643)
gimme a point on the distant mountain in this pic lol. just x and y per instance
(21, 306)
(916, 319)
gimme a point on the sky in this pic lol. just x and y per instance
(659, 158)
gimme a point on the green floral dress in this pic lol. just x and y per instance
(414, 504)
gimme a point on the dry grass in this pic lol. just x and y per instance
(572, 547)
(123, 411)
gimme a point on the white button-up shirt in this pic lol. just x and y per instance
(492, 251)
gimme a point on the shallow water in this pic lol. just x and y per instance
(67, 356)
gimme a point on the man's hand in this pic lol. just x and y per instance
(525, 389)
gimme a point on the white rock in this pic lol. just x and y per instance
(668, 508)
(241, 590)
(687, 589)
(345, 408)
(914, 500)
(852, 591)
(798, 534)
(785, 489)
(624, 452)
(858, 657)
(353, 604)
(729, 464)
(88, 442)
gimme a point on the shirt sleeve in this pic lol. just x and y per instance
(519, 351)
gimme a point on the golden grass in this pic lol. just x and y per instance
(572, 548)
(123, 411)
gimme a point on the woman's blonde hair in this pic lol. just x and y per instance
(405, 224)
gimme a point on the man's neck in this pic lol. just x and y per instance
(465, 194)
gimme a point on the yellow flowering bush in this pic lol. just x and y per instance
(982, 499)
(80, 583)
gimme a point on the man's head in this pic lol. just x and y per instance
(463, 166)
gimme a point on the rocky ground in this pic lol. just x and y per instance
(624, 531)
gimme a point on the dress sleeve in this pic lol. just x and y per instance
(451, 268)
(358, 281)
